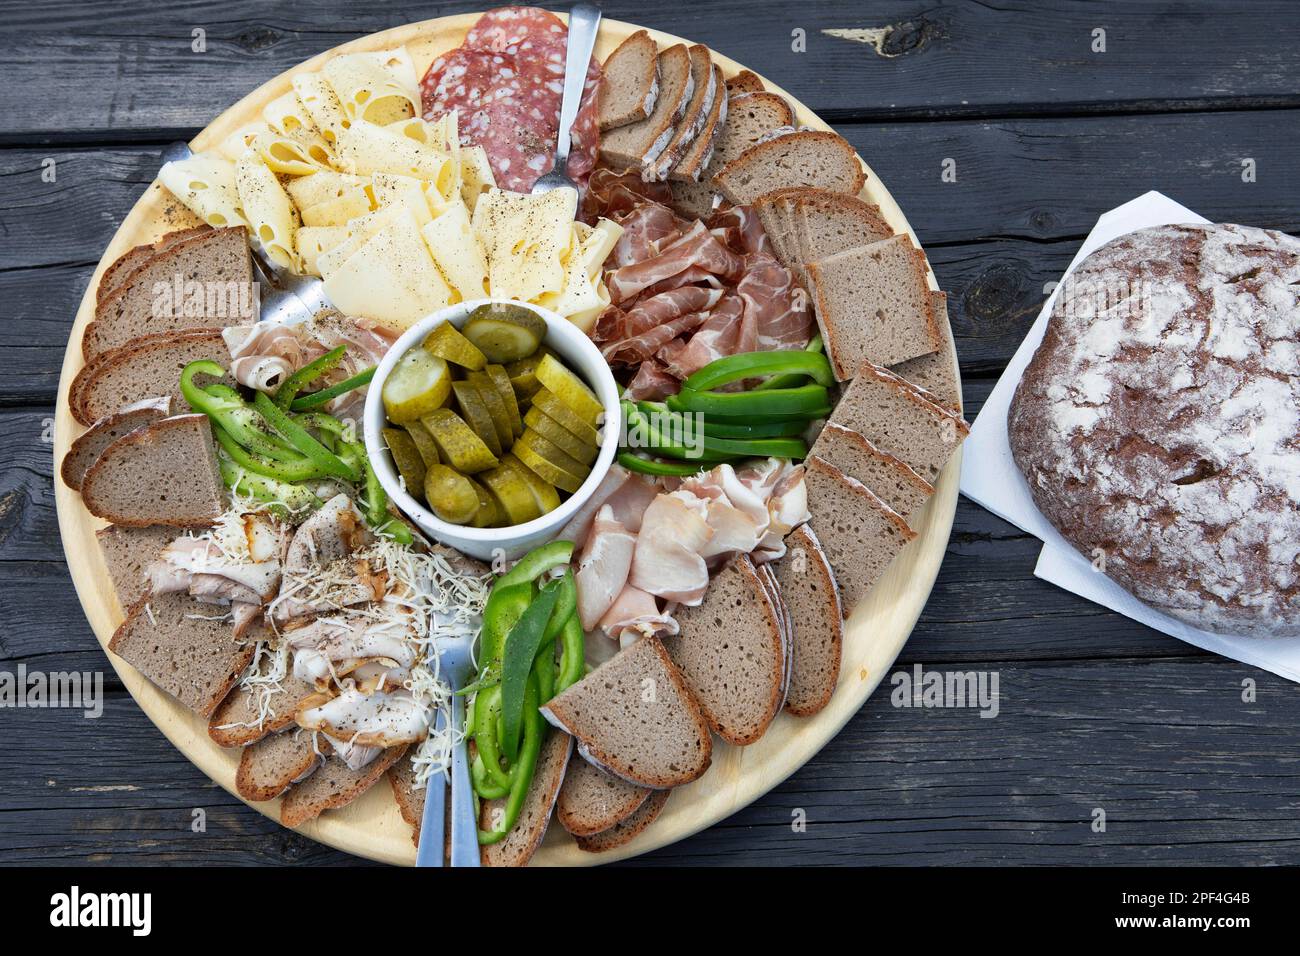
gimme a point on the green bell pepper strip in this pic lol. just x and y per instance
(224, 406)
(524, 769)
(566, 602)
(537, 562)
(651, 466)
(327, 395)
(505, 606)
(787, 429)
(520, 653)
(302, 440)
(714, 448)
(281, 495)
(734, 368)
(294, 471)
(483, 787)
(573, 655)
(777, 404)
(487, 714)
(790, 381)
(300, 379)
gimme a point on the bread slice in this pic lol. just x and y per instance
(731, 653)
(410, 801)
(104, 432)
(750, 117)
(873, 304)
(164, 473)
(175, 642)
(783, 617)
(860, 534)
(936, 372)
(235, 721)
(830, 222)
(630, 82)
(891, 480)
(803, 158)
(216, 259)
(774, 212)
(121, 269)
(634, 717)
(639, 144)
(270, 766)
(809, 589)
(147, 367)
(744, 82)
(695, 158)
(592, 800)
(127, 552)
(901, 419)
(704, 90)
(625, 831)
(519, 845)
(333, 786)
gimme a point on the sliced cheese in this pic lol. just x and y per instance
(475, 175)
(584, 296)
(525, 239)
(339, 211)
(314, 241)
(234, 146)
(379, 87)
(390, 188)
(359, 231)
(451, 242)
(364, 148)
(325, 185)
(324, 108)
(206, 185)
(285, 114)
(270, 214)
(284, 154)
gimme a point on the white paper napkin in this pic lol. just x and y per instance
(990, 477)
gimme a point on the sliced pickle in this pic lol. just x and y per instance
(512, 493)
(457, 443)
(568, 388)
(546, 402)
(561, 437)
(407, 459)
(446, 342)
(499, 378)
(504, 332)
(550, 464)
(474, 410)
(487, 391)
(451, 495)
(525, 386)
(545, 495)
(488, 514)
(528, 365)
(418, 383)
(424, 443)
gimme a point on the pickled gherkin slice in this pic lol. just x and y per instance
(551, 406)
(504, 332)
(549, 463)
(568, 388)
(418, 383)
(488, 514)
(512, 494)
(451, 495)
(406, 458)
(561, 437)
(499, 378)
(474, 410)
(545, 495)
(457, 443)
(424, 443)
(496, 408)
(446, 342)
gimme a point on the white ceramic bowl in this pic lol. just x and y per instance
(580, 354)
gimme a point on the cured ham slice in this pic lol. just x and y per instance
(723, 333)
(697, 247)
(653, 381)
(775, 306)
(667, 560)
(335, 646)
(634, 615)
(603, 567)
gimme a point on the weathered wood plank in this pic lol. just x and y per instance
(919, 59)
(1185, 771)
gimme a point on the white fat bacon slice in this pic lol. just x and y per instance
(634, 615)
(200, 566)
(374, 720)
(604, 567)
(329, 641)
(355, 756)
(667, 561)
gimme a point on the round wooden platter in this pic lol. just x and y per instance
(371, 827)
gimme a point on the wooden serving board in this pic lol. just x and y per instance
(371, 827)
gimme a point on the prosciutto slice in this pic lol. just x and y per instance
(775, 306)
(636, 614)
(697, 247)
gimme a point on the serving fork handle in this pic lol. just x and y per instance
(584, 21)
(464, 825)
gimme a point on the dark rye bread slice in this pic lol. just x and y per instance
(695, 157)
(705, 88)
(270, 766)
(860, 534)
(175, 642)
(121, 269)
(731, 653)
(625, 831)
(639, 144)
(592, 800)
(774, 213)
(873, 304)
(750, 117)
(410, 800)
(519, 845)
(891, 480)
(634, 717)
(809, 589)
(803, 158)
(149, 366)
(630, 82)
(164, 473)
(783, 617)
(901, 419)
(235, 721)
(936, 372)
(104, 432)
(829, 222)
(744, 82)
(217, 259)
(333, 786)
(127, 552)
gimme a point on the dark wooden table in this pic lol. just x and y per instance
(1045, 130)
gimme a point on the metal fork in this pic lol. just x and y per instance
(456, 667)
(284, 296)
(584, 21)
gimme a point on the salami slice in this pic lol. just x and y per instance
(502, 30)
(463, 80)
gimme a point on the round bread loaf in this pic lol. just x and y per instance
(1158, 424)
